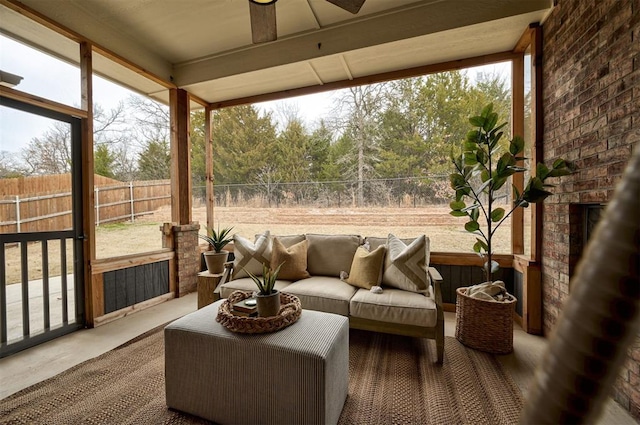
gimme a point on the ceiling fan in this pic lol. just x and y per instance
(263, 17)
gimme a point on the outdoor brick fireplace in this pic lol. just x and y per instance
(591, 68)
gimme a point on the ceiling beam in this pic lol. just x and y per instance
(371, 79)
(414, 20)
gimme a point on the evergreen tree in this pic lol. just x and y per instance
(104, 161)
(154, 162)
(243, 144)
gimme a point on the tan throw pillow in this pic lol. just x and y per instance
(405, 266)
(331, 254)
(293, 260)
(366, 268)
(250, 255)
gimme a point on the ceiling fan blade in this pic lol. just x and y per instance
(352, 6)
(263, 22)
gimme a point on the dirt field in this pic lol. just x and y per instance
(446, 233)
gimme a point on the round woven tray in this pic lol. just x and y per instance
(290, 311)
(484, 325)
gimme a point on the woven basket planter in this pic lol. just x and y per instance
(485, 325)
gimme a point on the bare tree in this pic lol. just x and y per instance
(51, 152)
(10, 166)
(151, 120)
(355, 116)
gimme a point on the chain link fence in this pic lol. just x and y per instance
(394, 192)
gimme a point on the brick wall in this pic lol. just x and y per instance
(591, 99)
(185, 239)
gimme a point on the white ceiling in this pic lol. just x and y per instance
(204, 46)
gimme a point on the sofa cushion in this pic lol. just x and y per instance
(292, 260)
(405, 266)
(251, 256)
(246, 284)
(287, 240)
(395, 306)
(366, 268)
(375, 241)
(328, 255)
(322, 293)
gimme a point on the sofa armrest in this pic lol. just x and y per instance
(226, 277)
(436, 281)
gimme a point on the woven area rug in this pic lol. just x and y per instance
(393, 380)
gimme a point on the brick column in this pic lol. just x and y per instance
(185, 243)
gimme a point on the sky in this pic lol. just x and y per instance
(61, 83)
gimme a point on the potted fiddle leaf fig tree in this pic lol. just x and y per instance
(484, 312)
(217, 256)
(267, 296)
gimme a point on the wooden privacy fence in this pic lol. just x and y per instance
(43, 203)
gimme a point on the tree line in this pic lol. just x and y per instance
(401, 131)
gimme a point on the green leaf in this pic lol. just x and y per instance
(477, 247)
(487, 110)
(516, 192)
(498, 182)
(542, 171)
(475, 213)
(495, 139)
(498, 128)
(497, 214)
(457, 213)
(457, 205)
(560, 172)
(470, 158)
(473, 136)
(535, 195)
(482, 244)
(490, 122)
(484, 176)
(471, 226)
(470, 146)
(559, 163)
(516, 146)
(477, 121)
(482, 157)
(456, 180)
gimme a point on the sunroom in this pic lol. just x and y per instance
(573, 79)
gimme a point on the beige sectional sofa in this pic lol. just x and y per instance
(343, 274)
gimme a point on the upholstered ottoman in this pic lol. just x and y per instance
(299, 374)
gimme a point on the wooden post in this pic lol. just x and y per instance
(210, 203)
(531, 294)
(93, 292)
(517, 129)
(537, 134)
(180, 160)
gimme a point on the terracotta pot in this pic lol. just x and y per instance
(215, 261)
(268, 305)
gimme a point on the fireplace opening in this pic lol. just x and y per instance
(583, 219)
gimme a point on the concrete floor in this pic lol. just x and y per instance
(46, 360)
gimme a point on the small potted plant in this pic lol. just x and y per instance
(267, 297)
(216, 257)
(484, 312)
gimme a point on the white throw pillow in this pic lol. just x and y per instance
(405, 266)
(251, 256)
